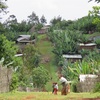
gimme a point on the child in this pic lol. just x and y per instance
(55, 88)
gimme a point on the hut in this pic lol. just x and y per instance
(73, 58)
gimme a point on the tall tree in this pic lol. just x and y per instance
(54, 21)
(11, 23)
(3, 7)
(33, 18)
(95, 1)
(43, 20)
(96, 14)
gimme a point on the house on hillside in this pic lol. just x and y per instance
(22, 40)
(88, 46)
(72, 58)
(44, 29)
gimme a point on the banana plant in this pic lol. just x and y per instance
(84, 67)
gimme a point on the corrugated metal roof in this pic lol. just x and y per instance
(88, 44)
(21, 37)
(18, 55)
(72, 56)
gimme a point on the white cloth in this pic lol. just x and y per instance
(62, 79)
(56, 86)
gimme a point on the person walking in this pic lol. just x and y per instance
(64, 84)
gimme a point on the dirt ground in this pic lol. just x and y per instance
(91, 99)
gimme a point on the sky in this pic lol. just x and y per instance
(67, 9)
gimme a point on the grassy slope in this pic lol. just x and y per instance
(45, 47)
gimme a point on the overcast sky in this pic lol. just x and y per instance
(67, 9)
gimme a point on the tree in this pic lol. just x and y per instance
(95, 1)
(43, 20)
(83, 24)
(31, 57)
(40, 77)
(23, 26)
(11, 23)
(7, 51)
(38, 27)
(1, 28)
(33, 19)
(54, 21)
(3, 7)
(96, 14)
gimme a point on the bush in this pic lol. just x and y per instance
(74, 86)
(97, 88)
(97, 41)
(14, 82)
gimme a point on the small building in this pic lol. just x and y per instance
(89, 46)
(22, 40)
(44, 29)
(73, 58)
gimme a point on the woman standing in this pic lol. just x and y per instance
(64, 85)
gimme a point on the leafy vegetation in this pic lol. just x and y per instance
(8, 51)
(97, 87)
(63, 38)
(95, 14)
(31, 56)
(14, 82)
(40, 77)
(97, 41)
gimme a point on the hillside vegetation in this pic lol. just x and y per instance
(48, 59)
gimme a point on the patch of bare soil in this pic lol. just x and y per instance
(45, 59)
(83, 98)
(30, 97)
(91, 99)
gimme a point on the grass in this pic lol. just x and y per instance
(46, 96)
(45, 47)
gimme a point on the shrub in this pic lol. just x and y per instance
(74, 86)
(97, 41)
(40, 77)
(14, 82)
(97, 87)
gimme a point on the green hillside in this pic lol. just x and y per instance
(47, 60)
